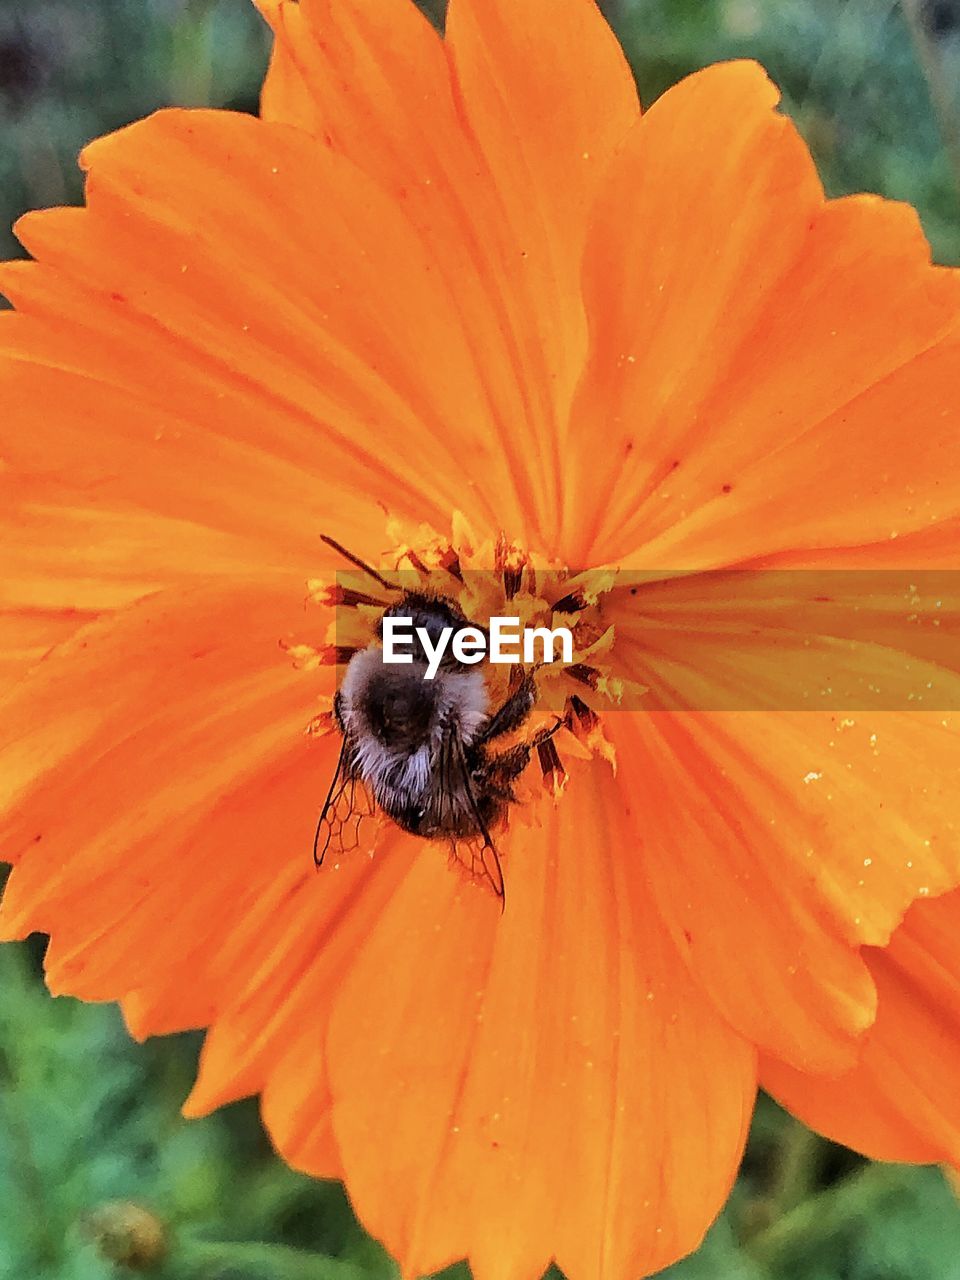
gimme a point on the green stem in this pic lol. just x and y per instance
(829, 1214)
(797, 1169)
(193, 1259)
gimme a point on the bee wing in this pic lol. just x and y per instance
(478, 855)
(349, 802)
(481, 863)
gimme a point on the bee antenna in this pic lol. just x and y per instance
(360, 564)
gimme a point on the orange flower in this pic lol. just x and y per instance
(464, 276)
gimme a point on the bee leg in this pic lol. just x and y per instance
(507, 767)
(512, 714)
(338, 710)
(545, 734)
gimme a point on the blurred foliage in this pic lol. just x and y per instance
(95, 1162)
(89, 1121)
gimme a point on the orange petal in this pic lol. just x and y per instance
(780, 839)
(549, 97)
(738, 323)
(278, 964)
(66, 560)
(128, 734)
(174, 452)
(902, 1101)
(174, 794)
(380, 94)
(779, 842)
(751, 914)
(26, 634)
(317, 371)
(286, 93)
(934, 547)
(786, 639)
(882, 465)
(489, 162)
(369, 80)
(520, 1087)
(283, 961)
(155, 769)
(215, 774)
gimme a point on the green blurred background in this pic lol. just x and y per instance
(94, 1158)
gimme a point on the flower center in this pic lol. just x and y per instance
(503, 676)
(486, 581)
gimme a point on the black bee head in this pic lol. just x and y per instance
(435, 614)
